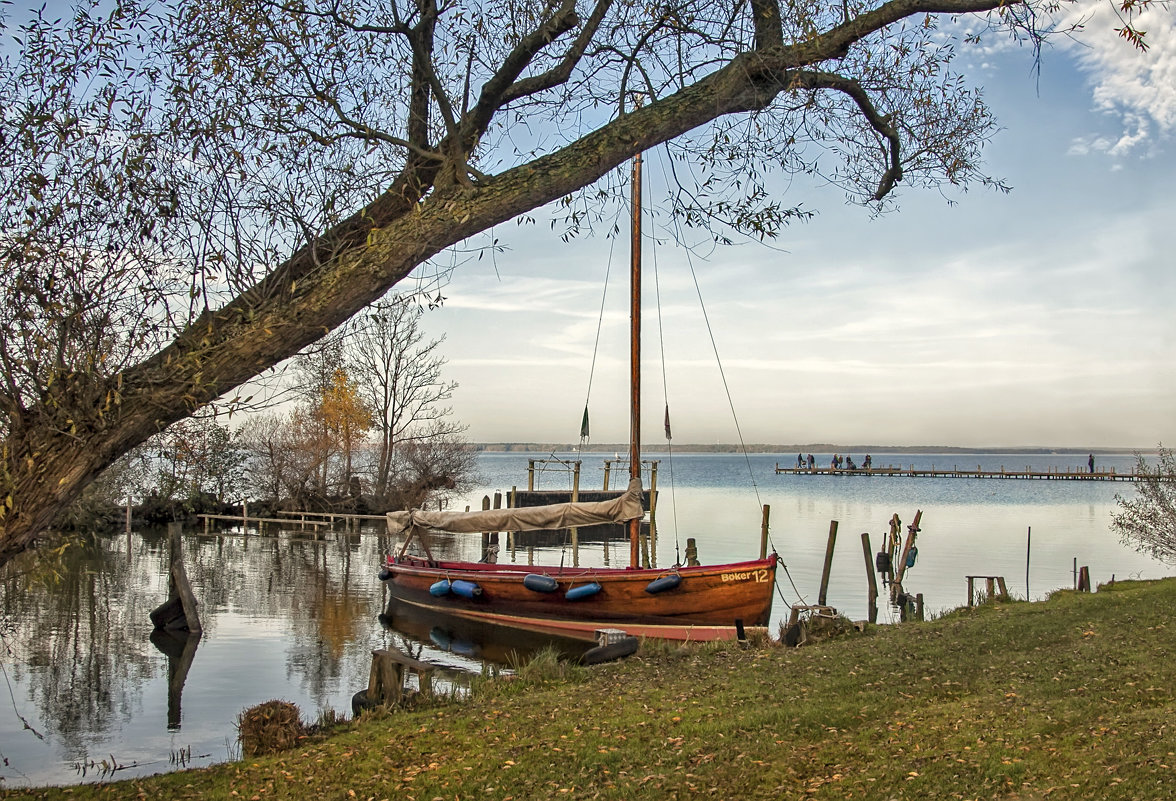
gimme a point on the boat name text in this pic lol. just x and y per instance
(748, 575)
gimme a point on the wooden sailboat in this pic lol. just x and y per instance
(704, 602)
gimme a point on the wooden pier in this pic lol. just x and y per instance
(1051, 474)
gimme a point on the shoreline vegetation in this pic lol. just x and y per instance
(1069, 698)
(822, 447)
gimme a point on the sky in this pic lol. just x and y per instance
(1042, 317)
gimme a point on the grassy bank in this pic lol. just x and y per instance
(1067, 699)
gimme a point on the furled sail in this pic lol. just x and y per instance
(529, 518)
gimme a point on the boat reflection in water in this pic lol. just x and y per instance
(464, 644)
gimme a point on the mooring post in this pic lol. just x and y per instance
(385, 680)
(607, 468)
(178, 585)
(691, 552)
(892, 540)
(822, 598)
(764, 531)
(575, 497)
(912, 531)
(530, 475)
(871, 579)
(919, 606)
(1028, 541)
(485, 534)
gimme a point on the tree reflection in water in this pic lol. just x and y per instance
(284, 616)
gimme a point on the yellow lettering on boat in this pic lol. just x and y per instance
(757, 576)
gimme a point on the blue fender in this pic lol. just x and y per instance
(583, 591)
(538, 583)
(465, 589)
(663, 583)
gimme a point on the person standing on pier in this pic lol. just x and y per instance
(799, 460)
(1090, 462)
(811, 462)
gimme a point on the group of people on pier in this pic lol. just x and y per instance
(836, 464)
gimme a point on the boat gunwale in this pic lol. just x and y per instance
(423, 566)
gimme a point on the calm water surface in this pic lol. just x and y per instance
(85, 683)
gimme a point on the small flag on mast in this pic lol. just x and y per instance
(584, 424)
(668, 421)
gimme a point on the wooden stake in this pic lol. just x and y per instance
(764, 531)
(822, 598)
(912, 531)
(178, 577)
(871, 579)
(575, 530)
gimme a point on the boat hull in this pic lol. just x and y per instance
(709, 602)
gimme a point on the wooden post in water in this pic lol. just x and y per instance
(178, 612)
(607, 469)
(652, 516)
(892, 541)
(767, 512)
(871, 579)
(575, 530)
(822, 597)
(485, 534)
(912, 531)
(691, 552)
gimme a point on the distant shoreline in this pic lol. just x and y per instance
(822, 447)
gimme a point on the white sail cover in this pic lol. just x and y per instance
(527, 518)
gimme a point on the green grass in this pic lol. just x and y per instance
(1066, 699)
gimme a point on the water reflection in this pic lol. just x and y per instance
(286, 616)
(471, 641)
(180, 649)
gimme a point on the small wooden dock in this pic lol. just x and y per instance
(1051, 474)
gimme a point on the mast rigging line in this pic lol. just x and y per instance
(661, 343)
(584, 433)
(677, 233)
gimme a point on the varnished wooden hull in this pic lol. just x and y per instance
(707, 604)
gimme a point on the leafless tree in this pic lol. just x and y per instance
(399, 371)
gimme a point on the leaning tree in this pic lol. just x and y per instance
(200, 190)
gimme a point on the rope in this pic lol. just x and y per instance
(584, 436)
(661, 343)
(719, 362)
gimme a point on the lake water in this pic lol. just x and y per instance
(84, 685)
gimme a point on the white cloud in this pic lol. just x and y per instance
(1139, 86)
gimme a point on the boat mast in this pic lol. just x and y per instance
(635, 356)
